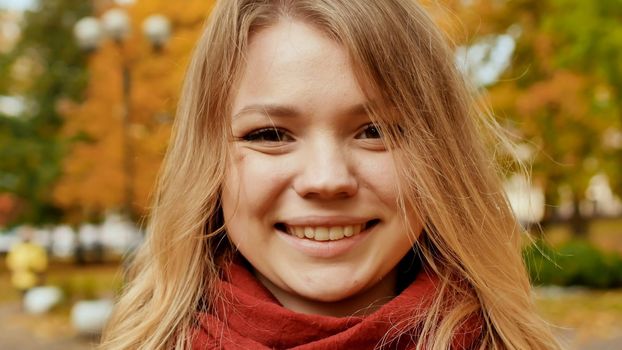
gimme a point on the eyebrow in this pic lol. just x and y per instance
(273, 110)
(280, 110)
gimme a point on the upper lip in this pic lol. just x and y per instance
(326, 221)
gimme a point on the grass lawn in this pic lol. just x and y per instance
(603, 233)
(77, 282)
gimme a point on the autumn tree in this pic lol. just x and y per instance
(559, 91)
(587, 39)
(42, 69)
(93, 174)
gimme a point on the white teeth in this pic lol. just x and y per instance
(348, 231)
(335, 233)
(309, 232)
(324, 233)
(299, 232)
(321, 234)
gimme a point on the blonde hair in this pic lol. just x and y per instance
(471, 241)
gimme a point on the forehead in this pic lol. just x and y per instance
(294, 63)
(289, 40)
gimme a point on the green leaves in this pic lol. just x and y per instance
(565, 81)
(44, 67)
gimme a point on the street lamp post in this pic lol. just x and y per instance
(115, 24)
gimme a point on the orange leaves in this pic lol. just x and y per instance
(8, 207)
(564, 92)
(94, 176)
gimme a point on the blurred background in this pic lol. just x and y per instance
(88, 91)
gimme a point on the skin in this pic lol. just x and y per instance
(324, 160)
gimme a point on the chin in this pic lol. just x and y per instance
(329, 295)
(328, 290)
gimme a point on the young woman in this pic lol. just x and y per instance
(328, 186)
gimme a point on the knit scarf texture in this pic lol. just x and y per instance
(248, 316)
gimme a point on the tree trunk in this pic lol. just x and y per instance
(578, 223)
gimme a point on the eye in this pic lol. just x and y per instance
(267, 135)
(371, 131)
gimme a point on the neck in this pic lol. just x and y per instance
(361, 304)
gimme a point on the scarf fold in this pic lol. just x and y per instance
(248, 316)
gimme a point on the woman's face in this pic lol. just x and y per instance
(310, 192)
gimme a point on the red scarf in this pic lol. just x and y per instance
(250, 317)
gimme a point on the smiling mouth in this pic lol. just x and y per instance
(326, 233)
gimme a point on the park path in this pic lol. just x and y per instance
(574, 341)
(28, 332)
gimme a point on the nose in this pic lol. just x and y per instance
(326, 172)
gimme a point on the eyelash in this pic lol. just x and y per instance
(280, 135)
(266, 135)
(374, 128)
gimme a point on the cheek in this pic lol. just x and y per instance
(232, 188)
(252, 183)
(379, 175)
(386, 182)
(235, 200)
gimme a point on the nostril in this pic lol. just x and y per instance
(326, 180)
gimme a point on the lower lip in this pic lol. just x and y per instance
(325, 249)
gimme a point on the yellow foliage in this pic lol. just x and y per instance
(25, 260)
(94, 176)
(563, 90)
